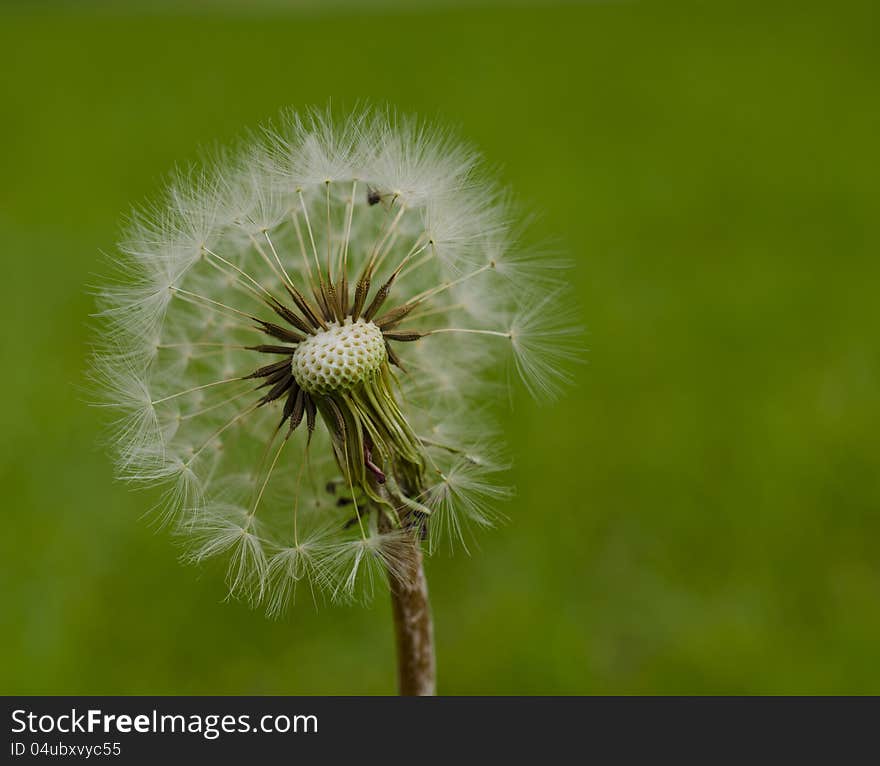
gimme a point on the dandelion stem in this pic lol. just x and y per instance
(413, 627)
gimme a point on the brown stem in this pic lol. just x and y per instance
(414, 630)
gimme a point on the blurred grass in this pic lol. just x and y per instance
(699, 515)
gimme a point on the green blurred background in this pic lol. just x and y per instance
(700, 514)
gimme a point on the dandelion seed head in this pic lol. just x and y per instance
(299, 345)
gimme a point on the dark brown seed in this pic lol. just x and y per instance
(288, 404)
(373, 196)
(404, 337)
(379, 298)
(265, 349)
(334, 301)
(311, 411)
(309, 311)
(277, 390)
(269, 369)
(296, 414)
(274, 378)
(343, 294)
(360, 295)
(289, 316)
(392, 357)
(395, 316)
(282, 333)
(321, 298)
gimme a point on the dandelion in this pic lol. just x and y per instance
(301, 346)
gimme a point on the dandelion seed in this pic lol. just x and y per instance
(303, 562)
